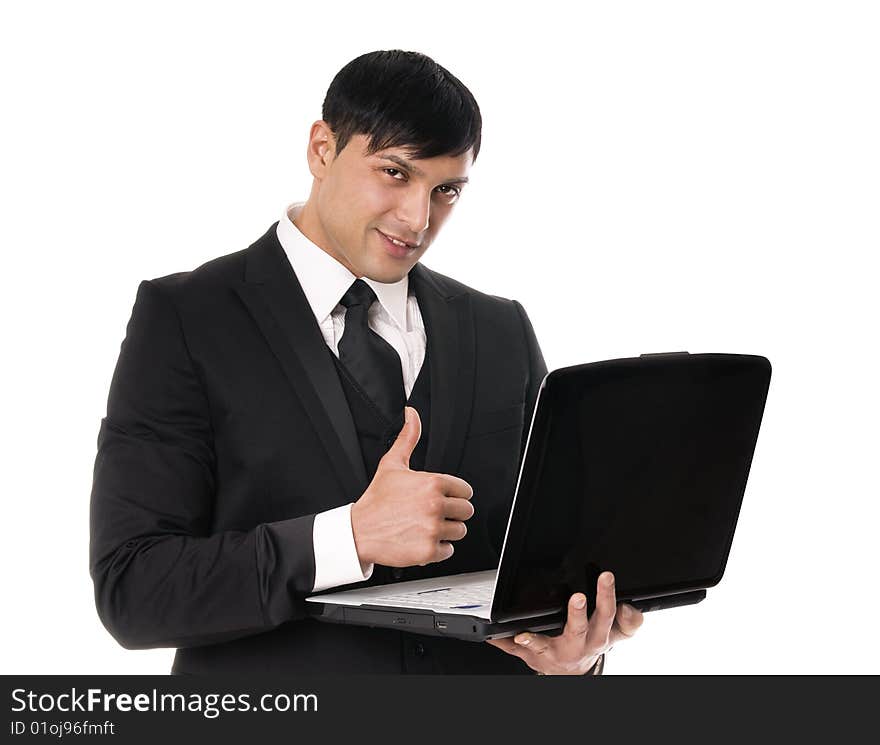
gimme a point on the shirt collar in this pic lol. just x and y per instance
(324, 280)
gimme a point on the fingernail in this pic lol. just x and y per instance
(580, 601)
(609, 580)
(522, 640)
(625, 611)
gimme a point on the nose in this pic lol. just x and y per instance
(414, 209)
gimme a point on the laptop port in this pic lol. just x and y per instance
(441, 625)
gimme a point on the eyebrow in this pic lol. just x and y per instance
(410, 167)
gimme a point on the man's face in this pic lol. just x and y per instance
(366, 202)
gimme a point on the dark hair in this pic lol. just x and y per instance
(402, 99)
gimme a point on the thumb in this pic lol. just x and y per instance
(401, 450)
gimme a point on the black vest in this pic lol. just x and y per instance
(376, 433)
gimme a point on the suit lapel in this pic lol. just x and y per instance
(273, 295)
(275, 299)
(449, 328)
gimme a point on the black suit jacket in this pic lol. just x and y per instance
(227, 430)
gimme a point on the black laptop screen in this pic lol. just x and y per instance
(638, 466)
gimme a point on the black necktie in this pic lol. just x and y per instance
(371, 360)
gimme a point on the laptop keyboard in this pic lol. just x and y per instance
(475, 595)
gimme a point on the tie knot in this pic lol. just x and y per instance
(360, 293)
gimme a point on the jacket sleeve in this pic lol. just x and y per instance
(537, 371)
(162, 577)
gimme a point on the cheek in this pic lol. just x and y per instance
(365, 200)
(376, 203)
(439, 215)
(344, 212)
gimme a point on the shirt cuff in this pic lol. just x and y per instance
(336, 558)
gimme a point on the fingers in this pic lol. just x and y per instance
(529, 647)
(400, 451)
(573, 640)
(452, 530)
(603, 616)
(523, 650)
(444, 551)
(626, 623)
(576, 625)
(452, 486)
(535, 643)
(457, 509)
(582, 638)
(509, 646)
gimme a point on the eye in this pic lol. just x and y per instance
(448, 193)
(394, 173)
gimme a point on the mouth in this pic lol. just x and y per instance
(395, 246)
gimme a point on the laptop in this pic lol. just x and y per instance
(636, 465)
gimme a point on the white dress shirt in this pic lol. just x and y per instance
(397, 319)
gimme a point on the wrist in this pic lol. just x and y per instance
(361, 546)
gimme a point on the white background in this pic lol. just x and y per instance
(654, 177)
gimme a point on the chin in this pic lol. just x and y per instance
(387, 277)
(382, 272)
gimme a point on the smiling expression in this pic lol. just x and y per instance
(377, 213)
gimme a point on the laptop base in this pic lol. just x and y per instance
(472, 628)
(431, 623)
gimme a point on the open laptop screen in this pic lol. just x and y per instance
(638, 466)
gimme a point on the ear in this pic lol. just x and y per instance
(322, 148)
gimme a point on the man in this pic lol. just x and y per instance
(320, 409)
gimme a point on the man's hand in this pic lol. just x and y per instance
(577, 648)
(409, 517)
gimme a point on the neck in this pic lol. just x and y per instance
(309, 224)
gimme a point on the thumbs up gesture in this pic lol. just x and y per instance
(409, 517)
